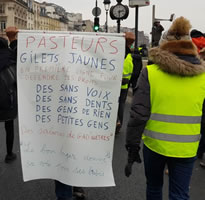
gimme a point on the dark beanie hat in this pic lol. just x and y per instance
(196, 33)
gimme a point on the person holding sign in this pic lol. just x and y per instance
(8, 96)
(67, 192)
(63, 191)
(11, 33)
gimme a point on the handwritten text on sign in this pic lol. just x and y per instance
(68, 89)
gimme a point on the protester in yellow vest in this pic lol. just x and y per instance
(127, 73)
(167, 113)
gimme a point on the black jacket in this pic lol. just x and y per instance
(8, 78)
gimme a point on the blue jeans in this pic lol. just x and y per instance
(63, 191)
(180, 171)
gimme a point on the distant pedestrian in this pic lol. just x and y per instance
(166, 113)
(156, 33)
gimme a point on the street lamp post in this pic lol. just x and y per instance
(107, 7)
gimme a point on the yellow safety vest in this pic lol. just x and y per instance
(140, 48)
(176, 108)
(127, 69)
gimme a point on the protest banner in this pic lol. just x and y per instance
(68, 89)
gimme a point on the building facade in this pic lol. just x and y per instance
(30, 15)
(33, 15)
(13, 13)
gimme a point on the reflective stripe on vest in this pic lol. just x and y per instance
(173, 128)
(172, 137)
(126, 75)
(176, 119)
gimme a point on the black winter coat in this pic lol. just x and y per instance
(8, 71)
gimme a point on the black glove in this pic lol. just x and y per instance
(128, 169)
(133, 156)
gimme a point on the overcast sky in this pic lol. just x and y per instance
(194, 10)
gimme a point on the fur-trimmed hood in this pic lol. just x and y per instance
(178, 57)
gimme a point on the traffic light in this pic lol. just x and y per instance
(96, 24)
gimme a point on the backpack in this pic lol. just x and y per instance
(8, 93)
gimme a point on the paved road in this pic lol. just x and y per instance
(12, 186)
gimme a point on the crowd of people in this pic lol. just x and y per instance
(167, 111)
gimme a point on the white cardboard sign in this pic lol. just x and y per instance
(68, 90)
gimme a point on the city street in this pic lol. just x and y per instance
(67, 62)
(132, 188)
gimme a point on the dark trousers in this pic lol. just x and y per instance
(122, 100)
(63, 191)
(180, 171)
(9, 126)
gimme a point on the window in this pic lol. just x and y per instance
(2, 8)
(2, 25)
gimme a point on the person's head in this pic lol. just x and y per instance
(196, 33)
(130, 38)
(179, 30)
(198, 39)
(156, 23)
(11, 33)
(3, 43)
